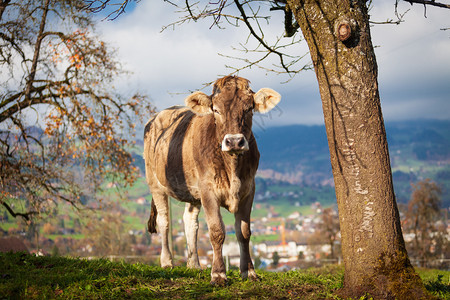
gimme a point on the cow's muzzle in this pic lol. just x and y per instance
(234, 143)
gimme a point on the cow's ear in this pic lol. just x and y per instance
(199, 102)
(266, 99)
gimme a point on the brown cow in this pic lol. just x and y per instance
(205, 154)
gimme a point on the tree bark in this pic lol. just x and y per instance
(374, 254)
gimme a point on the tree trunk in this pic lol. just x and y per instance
(375, 258)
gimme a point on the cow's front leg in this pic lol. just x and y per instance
(216, 230)
(190, 218)
(162, 206)
(243, 233)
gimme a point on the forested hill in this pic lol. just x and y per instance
(285, 146)
(299, 153)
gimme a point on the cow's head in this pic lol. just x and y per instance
(232, 105)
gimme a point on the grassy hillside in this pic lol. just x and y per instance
(28, 277)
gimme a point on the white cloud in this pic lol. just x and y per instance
(413, 62)
(169, 62)
(412, 58)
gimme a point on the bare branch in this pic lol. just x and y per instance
(97, 6)
(190, 11)
(218, 12)
(258, 38)
(251, 16)
(13, 213)
(36, 51)
(13, 44)
(3, 5)
(428, 2)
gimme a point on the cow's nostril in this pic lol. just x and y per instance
(228, 142)
(241, 142)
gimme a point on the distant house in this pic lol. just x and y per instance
(12, 244)
(141, 201)
(291, 250)
(231, 249)
(288, 249)
(111, 185)
(294, 216)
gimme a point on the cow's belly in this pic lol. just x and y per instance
(169, 156)
(182, 187)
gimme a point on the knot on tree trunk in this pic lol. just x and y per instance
(346, 31)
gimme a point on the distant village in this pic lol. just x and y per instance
(292, 239)
(279, 241)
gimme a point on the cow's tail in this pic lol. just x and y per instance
(151, 224)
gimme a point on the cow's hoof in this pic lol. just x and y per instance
(166, 261)
(250, 275)
(219, 282)
(254, 278)
(219, 279)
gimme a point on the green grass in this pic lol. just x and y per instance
(77, 236)
(265, 238)
(24, 276)
(6, 226)
(134, 222)
(436, 281)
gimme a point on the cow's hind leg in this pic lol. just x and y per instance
(190, 218)
(243, 233)
(162, 206)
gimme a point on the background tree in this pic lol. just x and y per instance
(339, 41)
(107, 235)
(258, 262)
(422, 218)
(63, 127)
(329, 228)
(275, 259)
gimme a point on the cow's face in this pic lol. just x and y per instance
(232, 105)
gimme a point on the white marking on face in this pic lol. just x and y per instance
(234, 143)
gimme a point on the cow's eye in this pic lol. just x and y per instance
(216, 111)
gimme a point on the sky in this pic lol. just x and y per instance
(413, 61)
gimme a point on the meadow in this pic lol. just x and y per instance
(24, 276)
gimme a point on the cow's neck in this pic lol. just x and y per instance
(233, 164)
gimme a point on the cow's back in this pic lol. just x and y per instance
(165, 154)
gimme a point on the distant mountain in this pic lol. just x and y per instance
(428, 140)
(299, 154)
